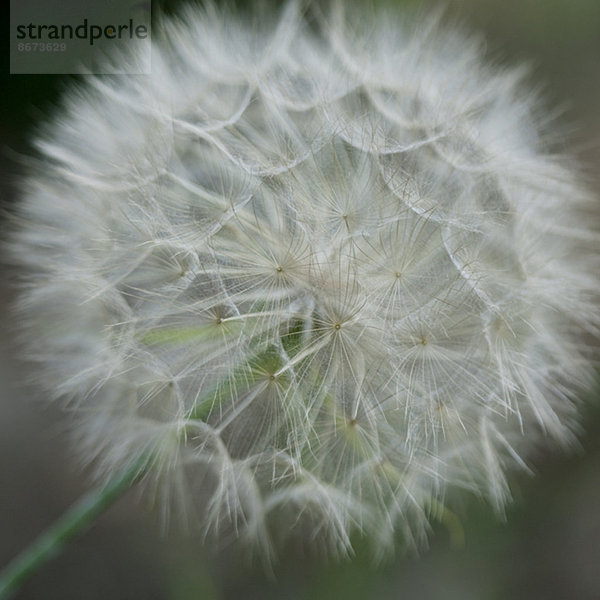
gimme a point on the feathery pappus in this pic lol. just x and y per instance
(322, 267)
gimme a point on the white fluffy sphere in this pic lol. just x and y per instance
(320, 271)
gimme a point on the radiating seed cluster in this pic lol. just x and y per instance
(321, 270)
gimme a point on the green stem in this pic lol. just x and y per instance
(69, 525)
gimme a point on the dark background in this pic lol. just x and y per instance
(548, 548)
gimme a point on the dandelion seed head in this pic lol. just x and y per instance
(321, 271)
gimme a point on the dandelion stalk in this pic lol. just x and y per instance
(71, 524)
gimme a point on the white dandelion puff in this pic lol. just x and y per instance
(321, 270)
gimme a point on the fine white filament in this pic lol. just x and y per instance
(324, 269)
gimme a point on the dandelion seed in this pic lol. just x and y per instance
(320, 272)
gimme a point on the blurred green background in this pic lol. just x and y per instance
(547, 548)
